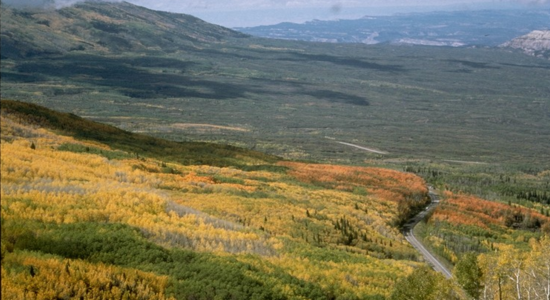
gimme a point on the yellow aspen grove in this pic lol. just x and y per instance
(511, 274)
(306, 231)
(34, 276)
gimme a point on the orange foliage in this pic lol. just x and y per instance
(469, 210)
(386, 184)
(454, 216)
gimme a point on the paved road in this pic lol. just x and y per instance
(409, 235)
(363, 148)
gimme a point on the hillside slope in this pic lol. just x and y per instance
(173, 76)
(285, 230)
(138, 144)
(104, 27)
(83, 217)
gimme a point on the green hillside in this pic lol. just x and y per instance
(139, 144)
(176, 77)
(103, 27)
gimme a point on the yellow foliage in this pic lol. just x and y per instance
(28, 275)
(208, 208)
(516, 274)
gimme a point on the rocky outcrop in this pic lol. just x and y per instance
(536, 43)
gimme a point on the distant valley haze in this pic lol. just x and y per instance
(479, 28)
(247, 13)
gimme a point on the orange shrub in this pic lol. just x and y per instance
(470, 210)
(387, 184)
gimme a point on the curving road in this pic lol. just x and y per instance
(409, 235)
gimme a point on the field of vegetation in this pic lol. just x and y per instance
(132, 221)
(293, 99)
(500, 251)
(142, 219)
(159, 211)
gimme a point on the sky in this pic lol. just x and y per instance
(246, 13)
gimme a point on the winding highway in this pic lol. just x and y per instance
(409, 235)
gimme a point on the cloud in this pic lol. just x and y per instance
(47, 3)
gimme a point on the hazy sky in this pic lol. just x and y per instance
(241, 13)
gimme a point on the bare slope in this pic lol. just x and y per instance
(536, 43)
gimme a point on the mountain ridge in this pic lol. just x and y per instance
(104, 27)
(456, 29)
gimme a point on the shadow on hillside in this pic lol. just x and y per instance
(472, 64)
(228, 55)
(338, 97)
(25, 78)
(527, 66)
(128, 76)
(157, 77)
(293, 88)
(349, 62)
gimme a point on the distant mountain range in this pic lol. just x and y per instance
(460, 28)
